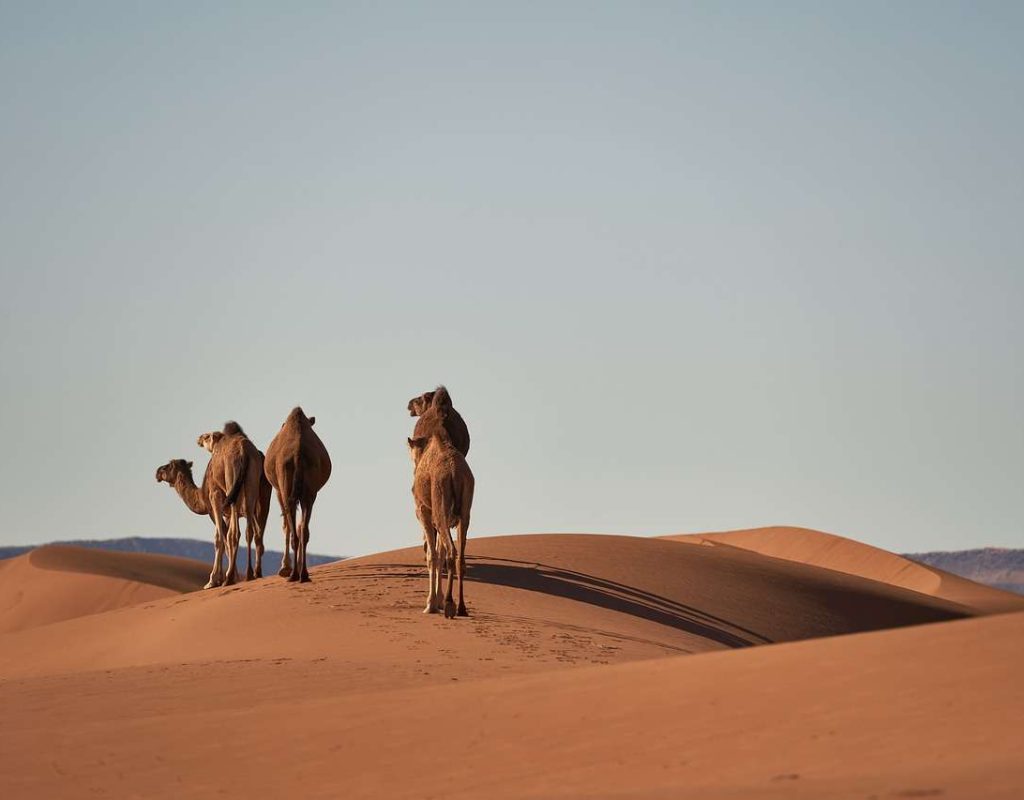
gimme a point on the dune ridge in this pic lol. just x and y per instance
(838, 553)
(643, 597)
(59, 582)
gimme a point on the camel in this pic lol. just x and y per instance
(178, 474)
(298, 466)
(442, 491)
(454, 424)
(254, 476)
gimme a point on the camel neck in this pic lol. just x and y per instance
(192, 495)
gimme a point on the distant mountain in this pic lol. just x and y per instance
(184, 548)
(996, 566)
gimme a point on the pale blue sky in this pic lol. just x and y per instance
(683, 266)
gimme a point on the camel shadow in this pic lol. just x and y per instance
(610, 595)
(572, 585)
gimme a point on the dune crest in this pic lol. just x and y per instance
(827, 550)
(59, 582)
(536, 602)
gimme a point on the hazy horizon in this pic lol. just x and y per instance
(683, 267)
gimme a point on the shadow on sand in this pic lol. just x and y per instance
(583, 588)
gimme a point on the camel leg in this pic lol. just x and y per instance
(249, 574)
(233, 538)
(219, 536)
(430, 556)
(216, 576)
(286, 557)
(439, 564)
(449, 547)
(252, 531)
(290, 510)
(259, 547)
(307, 510)
(291, 516)
(463, 531)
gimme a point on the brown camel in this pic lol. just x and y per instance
(454, 424)
(442, 491)
(298, 466)
(254, 476)
(232, 494)
(178, 474)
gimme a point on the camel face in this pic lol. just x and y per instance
(420, 404)
(170, 471)
(434, 408)
(209, 440)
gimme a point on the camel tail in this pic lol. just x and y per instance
(296, 492)
(236, 489)
(444, 503)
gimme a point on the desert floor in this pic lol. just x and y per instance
(777, 662)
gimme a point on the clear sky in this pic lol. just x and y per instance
(684, 267)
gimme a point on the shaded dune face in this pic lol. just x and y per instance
(826, 550)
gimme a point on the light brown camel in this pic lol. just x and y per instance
(298, 466)
(178, 474)
(442, 491)
(254, 529)
(454, 424)
(231, 494)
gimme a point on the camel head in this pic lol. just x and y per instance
(420, 404)
(209, 440)
(170, 471)
(299, 416)
(439, 398)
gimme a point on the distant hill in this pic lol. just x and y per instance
(996, 566)
(183, 548)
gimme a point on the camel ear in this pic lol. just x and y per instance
(312, 421)
(190, 465)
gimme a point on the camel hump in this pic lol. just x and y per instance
(441, 398)
(298, 417)
(232, 428)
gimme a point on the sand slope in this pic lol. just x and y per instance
(58, 582)
(566, 681)
(536, 602)
(838, 553)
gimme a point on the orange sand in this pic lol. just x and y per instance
(572, 677)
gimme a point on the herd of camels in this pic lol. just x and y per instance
(238, 480)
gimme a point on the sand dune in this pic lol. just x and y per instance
(566, 680)
(59, 582)
(838, 553)
(537, 602)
